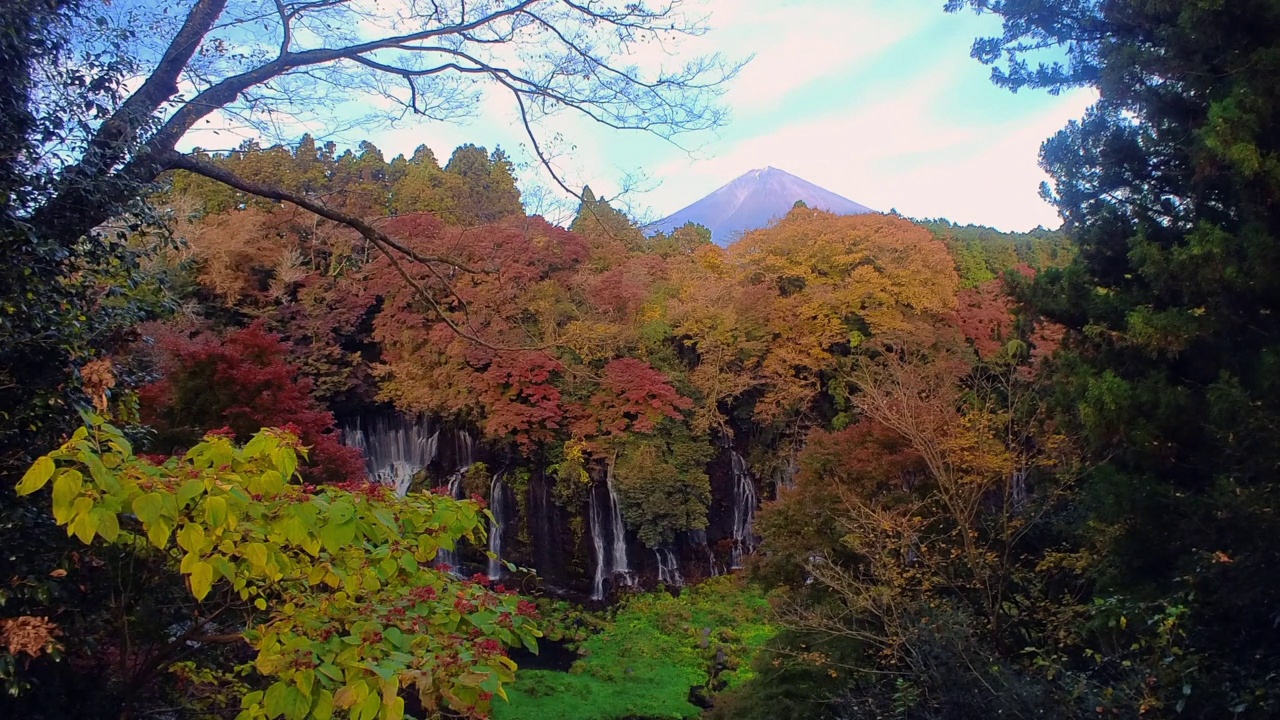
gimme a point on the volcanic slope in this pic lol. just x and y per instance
(752, 201)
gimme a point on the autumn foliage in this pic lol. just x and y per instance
(242, 381)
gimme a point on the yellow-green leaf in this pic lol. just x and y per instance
(158, 533)
(36, 476)
(106, 523)
(336, 537)
(256, 553)
(341, 511)
(148, 507)
(285, 460)
(66, 489)
(100, 473)
(215, 511)
(191, 537)
(201, 579)
(83, 527)
(323, 709)
(368, 709)
(274, 700)
(189, 490)
(272, 482)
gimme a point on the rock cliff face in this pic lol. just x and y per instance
(584, 552)
(752, 201)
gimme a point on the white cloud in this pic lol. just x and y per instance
(900, 152)
(905, 119)
(796, 44)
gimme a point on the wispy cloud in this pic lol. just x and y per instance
(877, 100)
(797, 44)
(900, 152)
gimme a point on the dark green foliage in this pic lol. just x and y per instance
(488, 192)
(64, 301)
(604, 225)
(802, 676)
(983, 254)
(796, 677)
(1169, 187)
(662, 483)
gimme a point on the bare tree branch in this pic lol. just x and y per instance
(549, 54)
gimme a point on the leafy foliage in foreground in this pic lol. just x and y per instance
(645, 662)
(332, 587)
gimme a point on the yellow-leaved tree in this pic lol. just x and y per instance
(332, 587)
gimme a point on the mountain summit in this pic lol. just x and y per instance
(753, 200)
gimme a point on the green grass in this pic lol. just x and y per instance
(643, 663)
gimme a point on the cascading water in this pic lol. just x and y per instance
(464, 447)
(668, 568)
(1018, 491)
(497, 506)
(611, 551)
(395, 447)
(464, 451)
(744, 509)
(619, 531)
(698, 538)
(597, 539)
(450, 557)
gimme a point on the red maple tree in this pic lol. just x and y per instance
(241, 381)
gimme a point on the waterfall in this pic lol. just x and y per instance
(1018, 491)
(464, 447)
(668, 568)
(395, 447)
(698, 538)
(497, 506)
(619, 532)
(611, 551)
(744, 509)
(597, 539)
(450, 557)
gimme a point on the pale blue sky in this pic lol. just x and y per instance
(877, 100)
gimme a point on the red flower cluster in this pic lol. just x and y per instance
(363, 486)
(489, 646)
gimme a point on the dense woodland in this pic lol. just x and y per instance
(859, 467)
